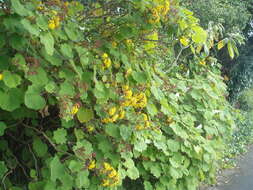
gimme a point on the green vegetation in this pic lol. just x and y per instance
(123, 94)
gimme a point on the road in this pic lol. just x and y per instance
(242, 178)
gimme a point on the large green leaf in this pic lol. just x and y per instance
(39, 147)
(84, 115)
(48, 41)
(82, 180)
(33, 29)
(11, 80)
(57, 170)
(60, 136)
(11, 99)
(19, 8)
(34, 100)
(230, 50)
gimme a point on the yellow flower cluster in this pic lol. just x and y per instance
(159, 11)
(92, 165)
(146, 123)
(54, 22)
(40, 6)
(74, 109)
(112, 176)
(1, 76)
(170, 120)
(106, 60)
(138, 100)
(129, 42)
(114, 115)
(90, 128)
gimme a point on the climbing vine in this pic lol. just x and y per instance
(94, 94)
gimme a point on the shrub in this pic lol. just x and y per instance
(96, 95)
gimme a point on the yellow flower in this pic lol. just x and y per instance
(107, 120)
(202, 62)
(147, 124)
(74, 109)
(169, 120)
(114, 44)
(107, 62)
(125, 87)
(128, 72)
(107, 166)
(112, 111)
(184, 41)
(128, 94)
(1, 76)
(145, 117)
(139, 127)
(56, 20)
(126, 103)
(105, 55)
(92, 165)
(90, 128)
(115, 117)
(112, 174)
(51, 25)
(54, 12)
(122, 114)
(106, 182)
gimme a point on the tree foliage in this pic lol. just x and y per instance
(93, 95)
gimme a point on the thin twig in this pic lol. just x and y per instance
(48, 139)
(8, 173)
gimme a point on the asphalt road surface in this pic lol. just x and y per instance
(242, 179)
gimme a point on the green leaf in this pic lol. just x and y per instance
(71, 31)
(2, 128)
(200, 35)
(175, 173)
(11, 100)
(82, 180)
(39, 78)
(48, 41)
(19, 59)
(57, 170)
(34, 100)
(133, 173)
(50, 87)
(11, 80)
(60, 136)
(75, 166)
(140, 77)
(3, 169)
(39, 147)
(112, 130)
(173, 145)
(19, 8)
(67, 51)
(32, 29)
(67, 89)
(152, 110)
(42, 22)
(125, 131)
(148, 186)
(156, 170)
(83, 148)
(84, 115)
(231, 50)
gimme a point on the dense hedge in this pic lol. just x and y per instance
(98, 95)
